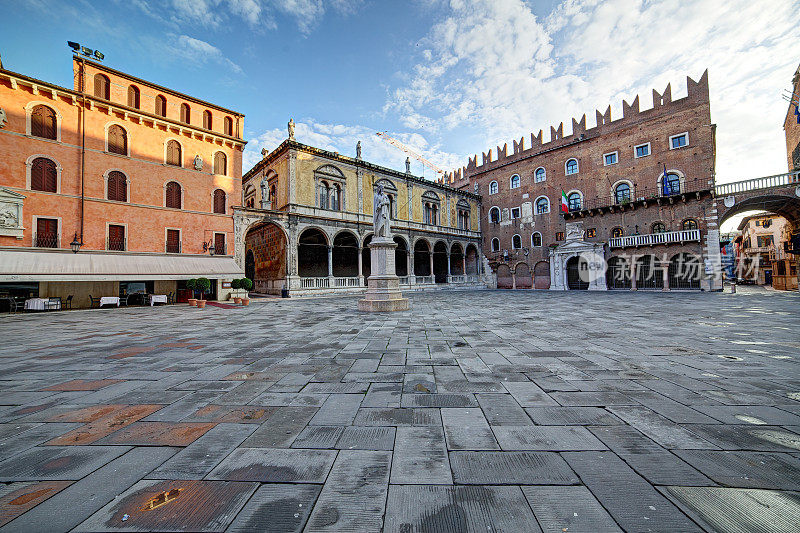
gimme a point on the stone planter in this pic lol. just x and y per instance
(201, 304)
(237, 300)
(245, 301)
(192, 302)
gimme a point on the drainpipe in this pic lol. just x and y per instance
(83, 137)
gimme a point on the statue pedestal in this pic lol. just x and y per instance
(383, 286)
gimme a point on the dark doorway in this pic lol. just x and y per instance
(312, 254)
(577, 274)
(345, 255)
(366, 259)
(250, 265)
(422, 259)
(401, 257)
(440, 262)
(456, 260)
(618, 274)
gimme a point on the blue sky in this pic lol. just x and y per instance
(449, 78)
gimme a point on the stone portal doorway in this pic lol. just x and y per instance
(577, 274)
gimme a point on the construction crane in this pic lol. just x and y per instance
(394, 142)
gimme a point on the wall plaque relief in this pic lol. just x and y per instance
(11, 213)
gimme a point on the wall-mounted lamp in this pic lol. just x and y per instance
(209, 247)
(76, 244)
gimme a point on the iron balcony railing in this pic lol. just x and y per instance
(219, 250)
(765, 182)
(651, 239)
(173, 247)
(118, 245)
(46, 240)
(639, 194)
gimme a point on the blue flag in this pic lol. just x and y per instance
(665, 183)
(797, 112)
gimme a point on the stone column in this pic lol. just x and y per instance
(360, 266)
(449, 268)
(430, 257)
(330, 261)
(411, 278)
(665, 275)
(292, 177)
(464, 263)
(634, 273)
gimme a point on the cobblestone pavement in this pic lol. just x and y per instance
(475, 411)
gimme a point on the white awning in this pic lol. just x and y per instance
(25, 264)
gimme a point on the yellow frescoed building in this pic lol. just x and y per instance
(307, 222)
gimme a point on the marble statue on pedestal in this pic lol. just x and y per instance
(290, 126)
(380, 217)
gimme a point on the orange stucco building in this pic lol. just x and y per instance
(144, 176)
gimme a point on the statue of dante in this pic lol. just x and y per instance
(291, 128)
(380, 213)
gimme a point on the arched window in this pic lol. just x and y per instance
(540, 175)
(494, 215)
(658, 227)
(671, 184)
(495, 244)
(516, 242)
(133, 97)
(273, 194)
(228, 126)
(536, 239)
(117, 140)
(102, 87)
(542, 205)
(220, 163)
(173, 195)
(207, 121)
(324, 192)
(219, 201)
(174, 153)
(689, 224)
(617, 232)
(117, 187)
(249, 196)
(493, 187)
(622, 193)
(571, 166)
(574, 201)
(161, 106)
(514, 181)
(44, 175)
(44, 122)
(186, 113)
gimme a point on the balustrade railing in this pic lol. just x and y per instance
(346, 282)
(650, 239)
(403, 280)
(765, 182)
(422, 280)
(315, 283)
(458, 278)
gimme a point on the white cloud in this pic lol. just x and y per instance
(493, 67)
(343, 138)
(201, 52)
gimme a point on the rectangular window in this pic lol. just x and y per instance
(46, 233)
(642, 150)
(116, 237)
(758, 222)
(678, 141)
(764, 240)
(514, 212)
(591, 233)
(559, 235)
(219, 244)
(173, 241)
(610, 159)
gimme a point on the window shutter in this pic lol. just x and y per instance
(133, 97)
(43, 122)
(173, 195)
(219, 243)
(43, 175)
(219, 201)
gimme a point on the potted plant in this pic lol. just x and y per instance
(236, 284)
(192, 286)
(203, 285)
(247, 285)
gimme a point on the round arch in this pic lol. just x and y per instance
(618, 273)
(266, 257)
(29, 109)
(312, 253)
(522, 276)
(345, 254)
(400, 256)
(471, 260)
(541, 275)
(457, 259)
(422, 257)
(440, 261)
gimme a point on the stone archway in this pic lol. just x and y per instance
(456, 260)
(345, 255)
(541, 275)
(400, 257)
(685, 271)
(522, 276)
(312, 254)
(505, 279)
(440, 262)
(366, 258)
(577, 273)
(649, 273)
(266, 257)
(422, 258)
(471, 260)
(618, 273)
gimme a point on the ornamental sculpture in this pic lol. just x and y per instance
(380, 213)
(3, 118)
(198, 162)
(290, 126)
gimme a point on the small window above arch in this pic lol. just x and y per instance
(44, 122)
(536, 239)
(514, 183)
(186, 113)
(228, 126)
(516, 242)
(495, 244)
(134, 97)
(117, 140)
(571, 166)
(540, 175)
(161, 106)
(208, 122)
(493, 187)
(102, 86)
(689, 224)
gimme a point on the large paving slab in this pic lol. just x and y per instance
(476, 411)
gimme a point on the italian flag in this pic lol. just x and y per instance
(564, 202)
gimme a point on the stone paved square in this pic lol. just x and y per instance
(473, 411)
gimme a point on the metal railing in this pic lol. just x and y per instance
(640, 194)
(765, 182)
(173, 247)
(650, 239)
(118, 245)
(46, 240)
